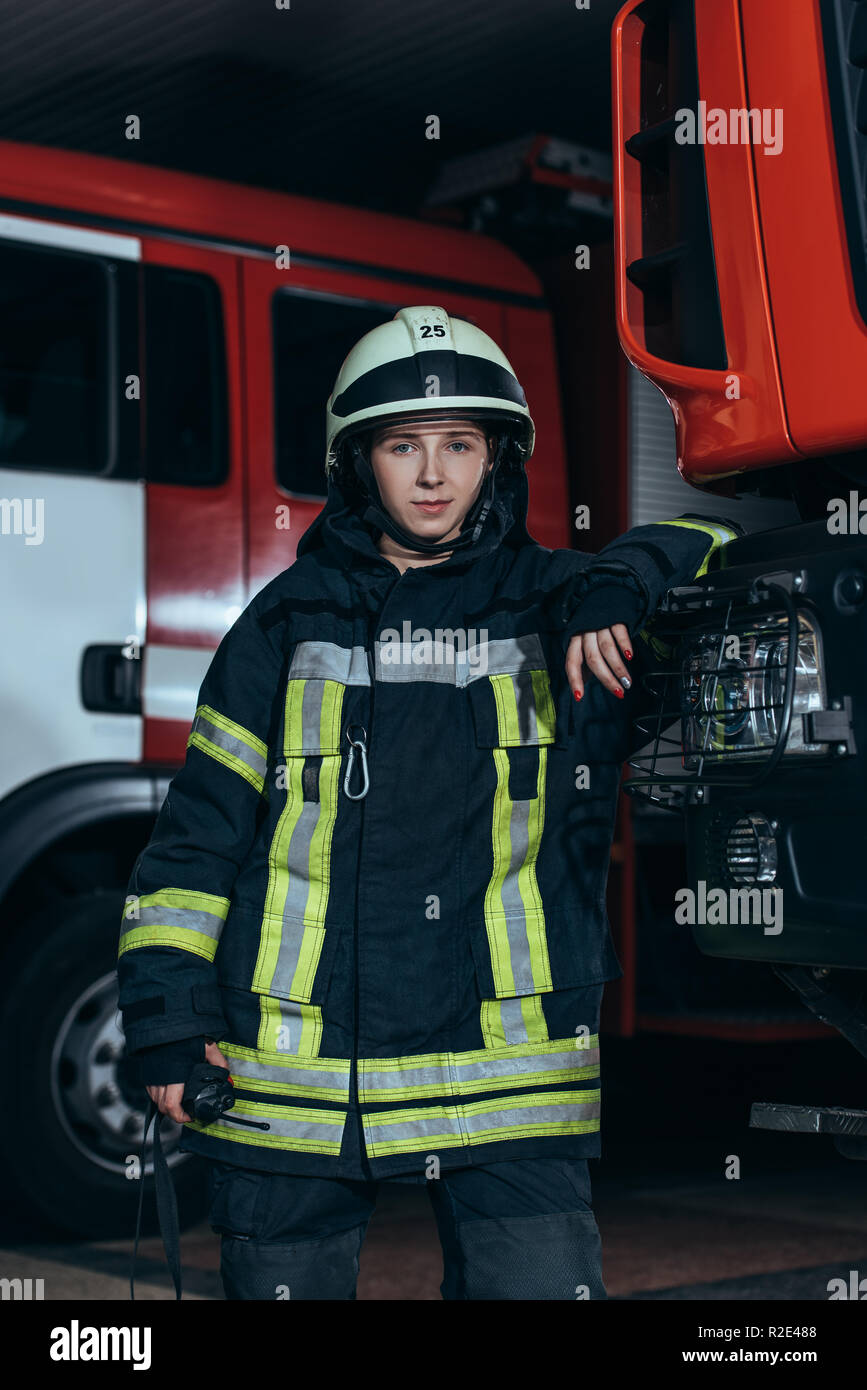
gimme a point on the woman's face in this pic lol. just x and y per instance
(429, 473)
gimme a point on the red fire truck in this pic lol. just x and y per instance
(740, 172)
(168, 345)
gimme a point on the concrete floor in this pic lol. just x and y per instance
(774, 1236)
(673, 1227)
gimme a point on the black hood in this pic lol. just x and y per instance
(339, 528)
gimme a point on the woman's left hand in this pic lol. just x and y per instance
(602, 652)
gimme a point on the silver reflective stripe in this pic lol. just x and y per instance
(191, 919)
(525, 704)
(505, 656)
(402, 662)
(236, 747)
(298, 889)
(327, 661)
(311, 714)
(298, 886)
(295, 1074)
(515, 921)
(462, 1122)
(291, 936)
(286, 1123)
(451, 1076)
(422, 1127)
(528, 1116)
(287, 1024)
(514, 1024)
(450, 662)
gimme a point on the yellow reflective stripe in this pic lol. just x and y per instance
(516, 928)
(272, 922)
(299, 858)
(180, 917)
(481, 1122)
(184, 897)
(507, 709)
(311, 1030)
(534, 1018)
(369, 1065)
(528, 884)
(317, 731)
(320, 842)
(546, 718)
(720, 535)
(511, 1022)
(540, 721)
(270, 1023)
(498, 940)
(276, 1073)
(238, 731)
(491, 1020)
(181, 937)
(293, 1127)
(285, 1026)
(293, 736)
(518, 1066)
(231, 744)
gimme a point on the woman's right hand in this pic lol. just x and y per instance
(167, 1100)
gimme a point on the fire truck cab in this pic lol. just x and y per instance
(168, 344)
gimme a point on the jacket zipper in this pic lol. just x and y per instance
(353, 1068)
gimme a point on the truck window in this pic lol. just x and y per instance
(184, 391)
(311, 335)
(53, 360)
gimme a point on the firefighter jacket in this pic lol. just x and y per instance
(378, 881)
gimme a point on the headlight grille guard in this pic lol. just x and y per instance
(677, 625)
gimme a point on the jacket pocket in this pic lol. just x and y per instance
(284, 956)
(514, 716)
(522, 945)
(519, 709)
(312, 717)
(519, 955)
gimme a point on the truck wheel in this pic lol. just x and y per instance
(73, 1114)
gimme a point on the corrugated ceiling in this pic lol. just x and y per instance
(326, 97)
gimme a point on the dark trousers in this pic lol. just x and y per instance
(522, 1229)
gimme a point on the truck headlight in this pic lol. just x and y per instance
(733, 686)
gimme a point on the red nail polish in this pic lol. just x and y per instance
(628, 655)
(577, 694)
(619, 694)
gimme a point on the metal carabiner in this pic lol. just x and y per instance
(353, 744)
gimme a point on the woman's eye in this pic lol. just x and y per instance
(402, 446)
(460, 443)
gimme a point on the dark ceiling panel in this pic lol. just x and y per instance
(327, 98)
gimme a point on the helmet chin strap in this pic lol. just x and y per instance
(471, 528)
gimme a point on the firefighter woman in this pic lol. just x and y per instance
(376, 888)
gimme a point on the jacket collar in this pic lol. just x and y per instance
(340, 532)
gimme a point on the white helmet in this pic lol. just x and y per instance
(424, 364)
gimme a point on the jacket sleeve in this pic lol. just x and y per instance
(181, 884)
(626, 580)
(169, 1063)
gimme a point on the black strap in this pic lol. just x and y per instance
(167, 1206)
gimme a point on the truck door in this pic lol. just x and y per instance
(299, 325)
(71, 503)
(195, 496)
